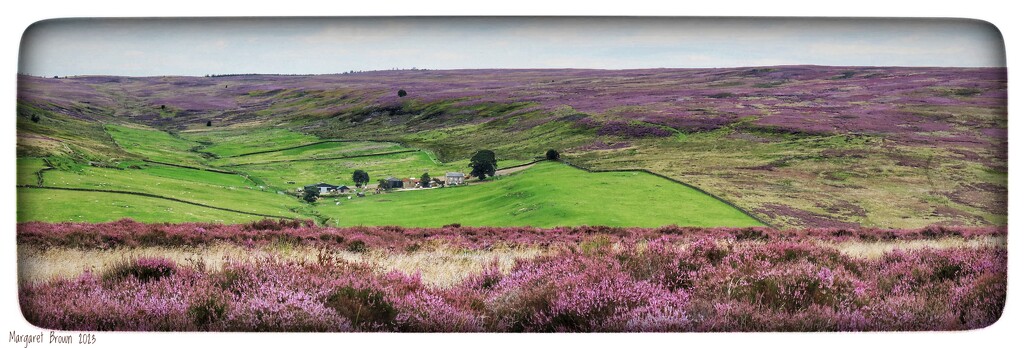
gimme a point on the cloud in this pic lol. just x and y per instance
(326, 45)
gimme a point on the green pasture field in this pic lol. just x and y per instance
(238, 141)
(546, 195)
(155, 145)
(221, 190)
(27, 169)
(314, 151)
(215, 189)
(59, 206)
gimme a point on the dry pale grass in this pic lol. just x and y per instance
(871, 250)
(438, 266)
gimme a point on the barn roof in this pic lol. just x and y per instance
(455, 174)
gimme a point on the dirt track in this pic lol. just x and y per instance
(508, 171)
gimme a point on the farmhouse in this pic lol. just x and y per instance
(410, 182)
(454, 178)
(328, 188)
(393, 182)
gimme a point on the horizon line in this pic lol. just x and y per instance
(519, 69)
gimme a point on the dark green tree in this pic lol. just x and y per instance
(35, 118)
(383, 184)
(483, 163)
(209, 123)
(401, 93)
(310, 194)
(552, 155)
(425, 180)
(360, 177)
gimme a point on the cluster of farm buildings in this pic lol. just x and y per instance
(450, 179)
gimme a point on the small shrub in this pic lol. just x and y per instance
(965, 92)
(552, 154)
(596, 244)
(708, 249)
(64, 164)
(310, 194)
(844, 75)
(366, 308)
(981, 302)
(207, 311)
(749, 234)
(144, 269)
(796, 288)
(518, 311)
(414, 247)
(357, 246)
(946, 271)
(229, 278)
(769, 84)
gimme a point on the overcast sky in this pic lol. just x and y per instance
(149, 47)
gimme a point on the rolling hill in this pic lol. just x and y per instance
(796, 146)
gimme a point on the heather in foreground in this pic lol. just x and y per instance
(703, 284)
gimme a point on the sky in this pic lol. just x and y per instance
(196, 47)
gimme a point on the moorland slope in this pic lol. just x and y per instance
(796, 146)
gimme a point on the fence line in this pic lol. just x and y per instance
(150, 195)
(522, 165)
(296, 147)
(324, 158)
